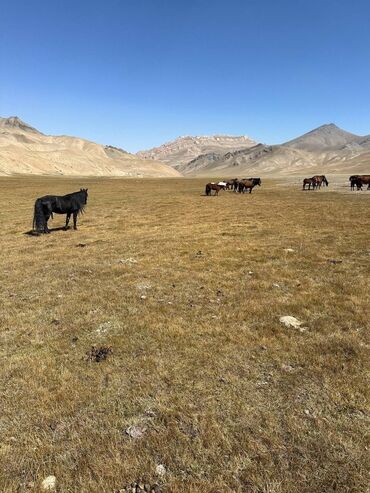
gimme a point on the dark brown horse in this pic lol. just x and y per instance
(235, 184)
(311, 182)
(359, 180)
(321, 180)
(355, 182)
(232, 184)
(214, 186)
(365, 179)
(248, 184)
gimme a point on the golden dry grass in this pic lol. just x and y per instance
(232, 401)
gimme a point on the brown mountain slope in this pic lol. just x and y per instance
(280, 160)
(24, 149)
(327, 149)
(182, 150)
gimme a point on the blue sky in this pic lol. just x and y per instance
(137, 73)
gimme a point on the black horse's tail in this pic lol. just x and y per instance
(38, 216)
(208, 189)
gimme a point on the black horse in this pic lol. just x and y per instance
(73, 203)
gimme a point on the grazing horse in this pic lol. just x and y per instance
(321, 180)
(236, 185)
(311, 182)
(73, 203)
(214, 186)
(248, 183)
(359, 180)
(232, 184)
(365, 180)
(355, 182)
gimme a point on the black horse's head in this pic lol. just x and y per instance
(85, 194)
(257, 181)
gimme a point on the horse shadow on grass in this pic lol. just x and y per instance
(51, 230)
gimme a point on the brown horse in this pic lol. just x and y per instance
(235, 184)
(321, 180)
(359, 180)
(365, 179)
(248, 184)
(232, 184)
(214, 186)
(311, 182)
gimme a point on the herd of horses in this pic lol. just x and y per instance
(74, 203)
(241, 186)
(315, 182)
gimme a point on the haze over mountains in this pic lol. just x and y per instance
(327, 149)
(23, 149)
(324, 149)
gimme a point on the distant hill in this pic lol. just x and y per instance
(182, 150)
(324, 138)
(324, 149)
(23, 149)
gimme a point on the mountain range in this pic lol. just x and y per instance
(326, 149)
(322, 150)
(179, 152)
(23, 149)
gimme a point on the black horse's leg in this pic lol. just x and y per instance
(75, 220)
(68, 217)
(48, 212)
(47, 216)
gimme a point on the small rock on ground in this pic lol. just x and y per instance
(160, 470)
(49, 483)
(135, 431)
(293, 322)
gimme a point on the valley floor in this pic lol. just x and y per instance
(187, 290)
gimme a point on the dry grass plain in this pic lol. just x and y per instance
(229, 399)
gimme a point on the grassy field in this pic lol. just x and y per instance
(188, 291)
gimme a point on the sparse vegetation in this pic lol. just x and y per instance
(187, 291)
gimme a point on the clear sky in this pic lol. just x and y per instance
(137, 73)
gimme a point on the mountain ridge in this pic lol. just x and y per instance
(26, 150)
(327, 147)
(183, 149)
(328, 136)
